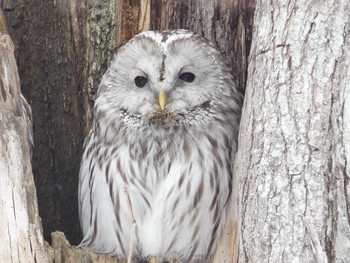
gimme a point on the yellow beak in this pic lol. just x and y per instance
(162, 99)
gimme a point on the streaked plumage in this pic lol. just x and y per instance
(175, 162)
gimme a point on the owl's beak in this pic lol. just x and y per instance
(162, 99)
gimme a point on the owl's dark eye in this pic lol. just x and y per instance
(187, 77)
(140, 81)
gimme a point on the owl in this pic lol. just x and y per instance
(159, 154)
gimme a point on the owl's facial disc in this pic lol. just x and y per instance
(159, 80)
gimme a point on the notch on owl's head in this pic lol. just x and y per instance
(166, 77)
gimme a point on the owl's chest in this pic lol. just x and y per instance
(173, 183)
(149, 166)
(150, 163)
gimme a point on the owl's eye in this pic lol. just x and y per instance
(187, 77)
(140, 81)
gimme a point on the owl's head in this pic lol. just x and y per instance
(170, 77)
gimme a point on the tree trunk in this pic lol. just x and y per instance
(295, 131)
(20, 225)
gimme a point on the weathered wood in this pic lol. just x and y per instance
(51, 67)
(61, 251)
(20, 225)
(294, 140)
(3, 24)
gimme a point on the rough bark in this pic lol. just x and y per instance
(294, 141)
(61, 251)
(51, 69)
(20, 225)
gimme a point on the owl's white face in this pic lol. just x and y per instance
(165, 77)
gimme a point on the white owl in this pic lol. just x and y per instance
(165, 129)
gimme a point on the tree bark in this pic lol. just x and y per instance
(20, 225)
(294, 141)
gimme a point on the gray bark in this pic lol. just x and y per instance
(294, 140)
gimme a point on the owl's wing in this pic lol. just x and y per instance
(100, 191)
(229, 245)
